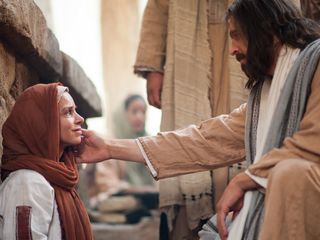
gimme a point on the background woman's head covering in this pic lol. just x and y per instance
(31, 140)
(132, 98)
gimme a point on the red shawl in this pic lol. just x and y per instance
(31, 140)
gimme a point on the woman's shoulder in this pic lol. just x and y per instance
(26, 187)
(25, 179)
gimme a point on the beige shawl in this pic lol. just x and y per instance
(185, 101)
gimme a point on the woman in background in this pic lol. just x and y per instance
(113, 182)
(135, 110)
(115, 176)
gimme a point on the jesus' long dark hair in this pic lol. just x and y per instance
(259, 21)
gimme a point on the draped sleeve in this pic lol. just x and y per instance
(215, 143)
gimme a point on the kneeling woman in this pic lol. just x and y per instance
(38, 199)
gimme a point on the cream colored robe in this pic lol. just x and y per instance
(28, 189)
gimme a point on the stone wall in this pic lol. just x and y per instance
(29, 54)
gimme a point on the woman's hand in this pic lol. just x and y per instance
(93, 148)
(232, 200)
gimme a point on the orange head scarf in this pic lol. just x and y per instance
(31, 140)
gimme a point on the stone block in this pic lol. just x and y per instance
(6, 104)
(81, 88)
(24, 77)
(7, 78)
(7, 69)
(23, 28)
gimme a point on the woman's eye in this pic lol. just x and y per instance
(69, 113)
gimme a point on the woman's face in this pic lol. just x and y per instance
(136, 114)
(70, 122)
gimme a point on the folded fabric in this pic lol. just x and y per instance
(210, 230)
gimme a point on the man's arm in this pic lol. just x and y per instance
(215, 143)
(96, 149)
(152, 48)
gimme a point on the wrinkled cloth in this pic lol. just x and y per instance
(31, 140)
(210, 231)
(30, 189)
(262, 115)
(215, 143)
(174, 40)
(220, 140)
(197, 85)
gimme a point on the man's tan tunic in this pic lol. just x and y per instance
(220, 142)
